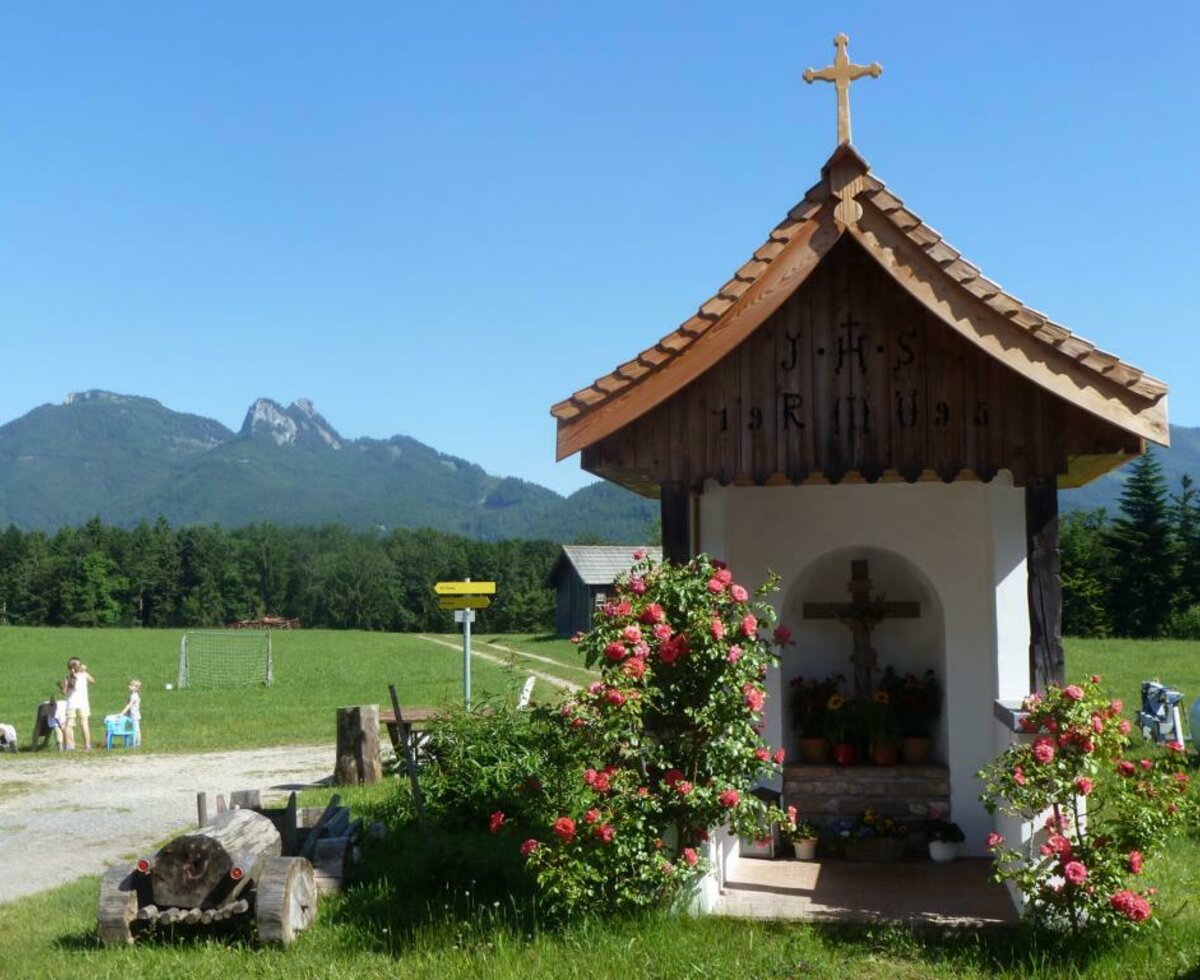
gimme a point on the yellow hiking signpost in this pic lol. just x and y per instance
(464, 598)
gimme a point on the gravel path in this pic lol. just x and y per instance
(67, 815)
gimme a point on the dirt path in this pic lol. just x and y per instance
(64, 816)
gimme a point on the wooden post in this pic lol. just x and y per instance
(1046, 662)
(358, 758)
(675, 508)
(410, 764)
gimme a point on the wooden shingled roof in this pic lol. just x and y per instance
(850, 201)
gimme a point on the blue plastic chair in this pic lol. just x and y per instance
(122, 727)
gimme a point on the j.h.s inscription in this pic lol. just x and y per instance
(852, 413)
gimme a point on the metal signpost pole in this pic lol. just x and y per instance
(468, 615)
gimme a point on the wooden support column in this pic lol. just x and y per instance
(676, 509)
(1045, 585)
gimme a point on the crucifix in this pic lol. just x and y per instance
(862, 614)
(842, 73)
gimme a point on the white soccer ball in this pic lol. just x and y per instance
(168, 687)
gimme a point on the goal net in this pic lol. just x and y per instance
(225, 658)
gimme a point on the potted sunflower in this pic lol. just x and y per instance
(843, 728)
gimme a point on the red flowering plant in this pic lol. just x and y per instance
(1102, 813)
(670, 735)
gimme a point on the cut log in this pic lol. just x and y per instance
(193, 871)
(358, 755)
(118, 906)
(286, 900)
(310, 842)
(245, 799)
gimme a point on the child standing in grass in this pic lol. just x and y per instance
(133, 709)
(78, 702)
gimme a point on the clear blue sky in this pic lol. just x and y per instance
(437, 220)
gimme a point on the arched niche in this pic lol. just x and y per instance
(823, 646)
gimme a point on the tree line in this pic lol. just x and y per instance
(1136, 574)
(156, 575)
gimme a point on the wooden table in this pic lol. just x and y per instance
(410, 727)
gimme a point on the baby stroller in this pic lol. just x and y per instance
(1160, 718)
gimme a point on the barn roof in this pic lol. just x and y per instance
(600, 564)
(849, 200)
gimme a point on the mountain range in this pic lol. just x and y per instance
(126, 458)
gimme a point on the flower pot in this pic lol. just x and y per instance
(814, 750)
(885, 753)
(942, 851)
(845, 754)
(805, 848)
(916, 750)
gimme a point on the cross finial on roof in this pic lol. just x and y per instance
(842, 73)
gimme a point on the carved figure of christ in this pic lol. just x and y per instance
(861, 615)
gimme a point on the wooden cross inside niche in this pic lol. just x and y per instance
(862, 614)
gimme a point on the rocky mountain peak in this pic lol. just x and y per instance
(299, 422)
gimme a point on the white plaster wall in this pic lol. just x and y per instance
(958, 548)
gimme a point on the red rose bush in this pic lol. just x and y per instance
(1100, 812)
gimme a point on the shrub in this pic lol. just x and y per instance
(1077, 872)
(1185, 624)
(669, 738)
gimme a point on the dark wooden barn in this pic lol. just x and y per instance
(583, 578)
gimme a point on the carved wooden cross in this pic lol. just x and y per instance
(862, 614)
(842, 73)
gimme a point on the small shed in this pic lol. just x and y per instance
(583, 578)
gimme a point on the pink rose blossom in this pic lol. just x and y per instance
(596, 687)
(673, 649)
(1043, 750)
(1125, 767)
(634, 668)
(762, 755)
(690, 856)
(716, 586)
(734, 654)
(591, 816)
(780, 755)
(753, 696)
(605, 833)
(1083, 785)
(1075, 872)
(1074, 692)
(783, 636)
(616, 651)
(564, 828)
(639, 555)
(662, 632)
(729, 798)
(1095, 678)
(528, 847)
(1146, 765)
(671, 777)
(749, 624)
(994, 840)
(717, 628)
(614, 697)
(624, 608)
(1174, 746)
(631, 633)
(589, 777)
(637, 586)
(1125, 727)
(601, 783)
(1018, 775)
(739, 594)
(495, 822)
(724, 575)
(653, 613)
(576, 637)
(1135, 862)
(1116, 706)
(1131, 905)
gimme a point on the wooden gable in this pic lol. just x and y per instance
(856, 344)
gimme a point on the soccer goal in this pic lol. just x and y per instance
(225, 658)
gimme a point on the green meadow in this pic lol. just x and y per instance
(416, 914)
(316, 671)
